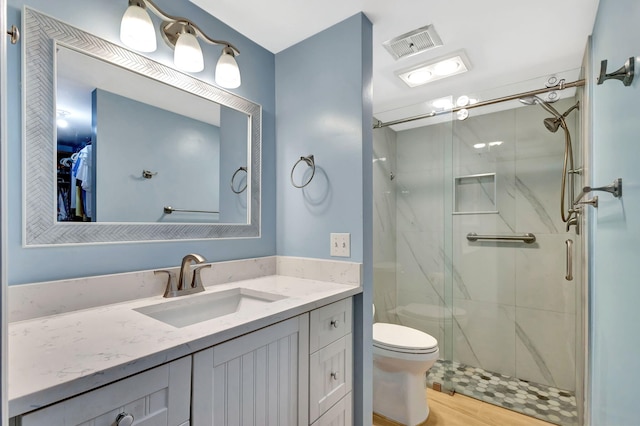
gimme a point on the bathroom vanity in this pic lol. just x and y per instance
(283, 356)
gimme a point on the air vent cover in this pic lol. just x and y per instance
(413, 42)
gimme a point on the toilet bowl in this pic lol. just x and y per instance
(401, 358)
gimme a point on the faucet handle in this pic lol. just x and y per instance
(196, 281)
(172, 286)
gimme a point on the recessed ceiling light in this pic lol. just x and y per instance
(434, 70)
(448, 67)
(479, 145)
(462, 101)
(495, 143)
(442, 103)
(462, 114)
(61, 118)
(420, 76)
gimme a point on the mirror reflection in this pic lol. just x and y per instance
(129, 150)
(150, 175)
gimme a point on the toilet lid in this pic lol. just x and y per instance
(399, 337)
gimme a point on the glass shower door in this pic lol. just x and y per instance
(513, 312)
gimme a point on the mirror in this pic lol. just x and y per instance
(149, 153)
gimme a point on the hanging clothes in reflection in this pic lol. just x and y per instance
(82, 172)
(64, 194)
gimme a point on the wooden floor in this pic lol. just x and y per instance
(460, 410)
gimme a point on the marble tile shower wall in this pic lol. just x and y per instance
(513, 311)
(384, 224)
(420, 229)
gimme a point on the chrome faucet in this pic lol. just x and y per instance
(190, 280)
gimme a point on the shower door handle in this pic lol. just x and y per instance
(569, 275)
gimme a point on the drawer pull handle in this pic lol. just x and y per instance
(124, 419)
(334, 323)
(334, 375)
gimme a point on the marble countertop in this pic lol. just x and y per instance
(55, 357)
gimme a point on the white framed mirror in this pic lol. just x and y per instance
(123, 203)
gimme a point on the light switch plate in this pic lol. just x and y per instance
(341, 245)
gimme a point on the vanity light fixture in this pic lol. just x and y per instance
(137, 32)
(434, 70)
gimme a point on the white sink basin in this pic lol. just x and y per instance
(195, 309)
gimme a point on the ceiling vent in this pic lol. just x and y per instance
(413, 42)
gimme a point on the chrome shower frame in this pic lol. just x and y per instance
(377, 124)
(572, 215)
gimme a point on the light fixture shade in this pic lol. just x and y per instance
(227, 71)
(188, 54)
(137, 31)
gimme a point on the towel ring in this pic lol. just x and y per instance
(311, 163)
(239, 191)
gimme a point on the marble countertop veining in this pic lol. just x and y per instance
(55, 357)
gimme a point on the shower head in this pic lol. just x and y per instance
(531, 100)
(552, 124)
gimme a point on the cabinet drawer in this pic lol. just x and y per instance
(338, 415)
(329, 323)
(160, 396)
(330, 375)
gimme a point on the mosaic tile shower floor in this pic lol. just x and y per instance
(540, 401)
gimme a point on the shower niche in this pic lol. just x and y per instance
(475, 194)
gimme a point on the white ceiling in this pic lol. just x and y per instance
(507, 41)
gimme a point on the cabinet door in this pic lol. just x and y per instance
(156, 397)
(256, 379)
(330, 375)
(338, 415)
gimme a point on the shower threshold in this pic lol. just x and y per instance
(540, 401)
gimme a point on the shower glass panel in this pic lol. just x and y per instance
(514, 313)
(507, 321)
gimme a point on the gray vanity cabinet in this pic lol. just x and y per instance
(256, 379)
(294, 372)
(331, 364)
(160, 396)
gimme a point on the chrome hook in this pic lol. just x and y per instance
(592, 202)
(615, 188)
(625, 73)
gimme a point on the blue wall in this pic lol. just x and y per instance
(324, 98)
(615, 244)
(185, 156)
(320, 109)
(103, 19)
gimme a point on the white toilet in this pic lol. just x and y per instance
(401, 358)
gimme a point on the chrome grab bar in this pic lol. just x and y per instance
(169, 210)
(569, 274)
(528, 238)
